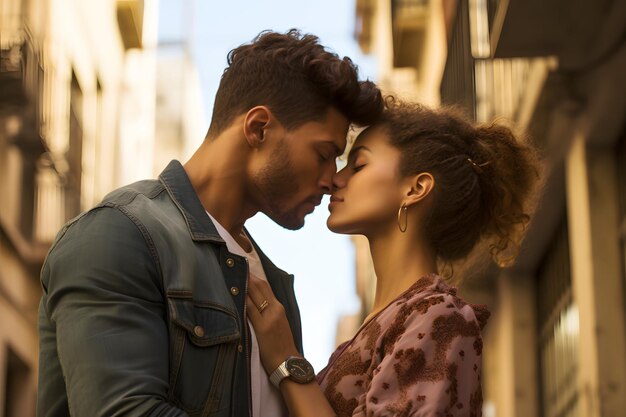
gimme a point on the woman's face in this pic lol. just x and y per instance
(369, 191)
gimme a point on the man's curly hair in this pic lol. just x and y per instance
(297, 78)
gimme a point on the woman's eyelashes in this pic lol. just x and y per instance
(358, 167)
(358, 164)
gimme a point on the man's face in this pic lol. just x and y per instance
(299, 168)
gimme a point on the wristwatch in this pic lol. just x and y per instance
(295, 368)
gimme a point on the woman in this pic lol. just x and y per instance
(425, 187)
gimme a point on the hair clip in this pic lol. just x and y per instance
(478, 165)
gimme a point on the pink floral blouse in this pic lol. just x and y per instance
(420, 356)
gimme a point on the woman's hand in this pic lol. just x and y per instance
(269, 320)
(276, 344)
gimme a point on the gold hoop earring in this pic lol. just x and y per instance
(406, 218)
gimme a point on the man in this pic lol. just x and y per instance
(143, 308)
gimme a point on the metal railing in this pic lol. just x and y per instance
(500, 87)
(486, 88)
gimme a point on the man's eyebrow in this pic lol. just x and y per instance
(336, 149)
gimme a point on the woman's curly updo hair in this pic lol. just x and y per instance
(297, 78)
(485, 178)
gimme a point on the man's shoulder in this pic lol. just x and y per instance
(128, 193)
(113, 212)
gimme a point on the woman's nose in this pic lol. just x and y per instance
(339, 179)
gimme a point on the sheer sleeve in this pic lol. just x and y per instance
(429, 363)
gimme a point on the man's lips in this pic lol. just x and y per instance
(312, 203)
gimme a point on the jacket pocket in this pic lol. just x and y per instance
(203, 345)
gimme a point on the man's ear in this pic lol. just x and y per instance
(421, 186)
(255, 124)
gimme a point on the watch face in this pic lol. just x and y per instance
(300, 370)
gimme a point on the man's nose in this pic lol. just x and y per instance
(327, 178)
(339, 180)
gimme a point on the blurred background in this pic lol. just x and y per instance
(97, 94)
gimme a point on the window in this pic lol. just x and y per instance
(558, 330)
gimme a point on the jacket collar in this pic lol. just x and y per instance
(176, 182)
(201, 228)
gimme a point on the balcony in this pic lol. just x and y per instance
(409, 18)
(575, 32)
(510, 88)
(363, 24)
(31, 188)
(130, 20)
(409, 14)
(21, 76)
(13, 58)
(12, 75)
(37, 199)
(485, 87)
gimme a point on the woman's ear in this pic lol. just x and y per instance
(421, 186)
(254, 125)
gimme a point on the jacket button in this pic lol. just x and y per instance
(198, 331)
(230, 262)
(240, 348)
(234, 291)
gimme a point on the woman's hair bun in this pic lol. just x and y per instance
(485, 176)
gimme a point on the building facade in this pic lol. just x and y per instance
(77, 101)
(556, 343)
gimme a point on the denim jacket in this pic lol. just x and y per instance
(143, 309)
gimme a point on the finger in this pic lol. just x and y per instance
(260, 292)
(252, 310)
(260, 286)
(256, 296)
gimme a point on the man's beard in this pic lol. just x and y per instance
(275, 183)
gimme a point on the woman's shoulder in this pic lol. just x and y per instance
(430, 301)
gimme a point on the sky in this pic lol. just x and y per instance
(322, 262)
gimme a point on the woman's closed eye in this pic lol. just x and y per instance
(358, 164)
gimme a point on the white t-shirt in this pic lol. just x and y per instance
(266, 399)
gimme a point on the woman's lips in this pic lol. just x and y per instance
(334, 200)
